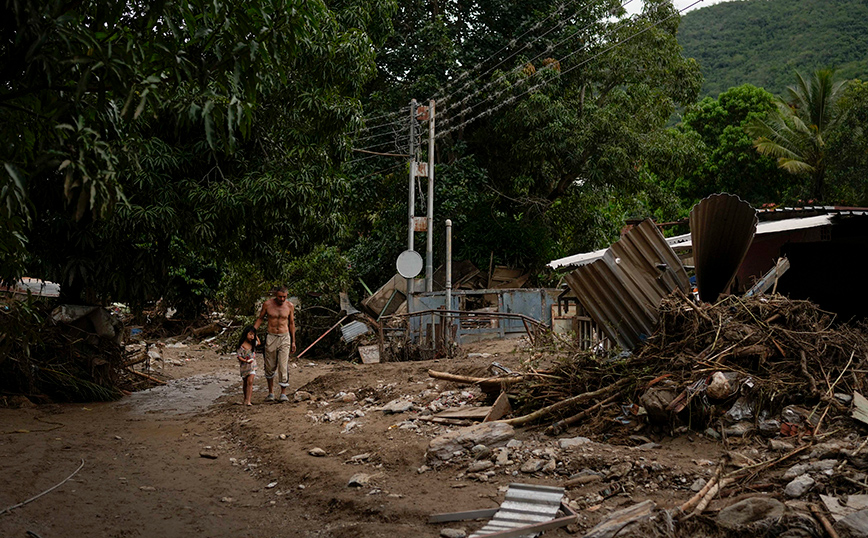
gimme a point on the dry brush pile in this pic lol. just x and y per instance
(739, 360)
(46, 361)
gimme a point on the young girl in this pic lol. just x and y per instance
(247, 359)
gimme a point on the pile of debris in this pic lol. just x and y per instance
(70, 353)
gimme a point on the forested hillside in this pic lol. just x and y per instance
(762, 42)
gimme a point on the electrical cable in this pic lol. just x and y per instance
(548, 50)
(491, 83)
(512, 43)
(584, 62)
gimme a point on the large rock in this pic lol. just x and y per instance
(853, 526)
(620, 520)
(490, 434)
(657, 399)
(799, 486)
(573, 442)
(749, 511)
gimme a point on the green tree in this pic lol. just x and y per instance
(545, 117)
(848, 148)
(150, 142)
(731, 164)
(795, 133)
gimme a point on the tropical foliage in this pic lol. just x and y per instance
(151, 143)
(795, 133)
(763, 42)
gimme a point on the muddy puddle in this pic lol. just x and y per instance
(181, 396)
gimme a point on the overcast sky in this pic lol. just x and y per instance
(636, 5)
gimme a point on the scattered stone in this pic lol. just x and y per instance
(479, 466)
(491, 434)
(749, 511)
(317, 452)
(620, 469)
(302, 396)
(550, 466)
(360, 457)
(799, 486)
(349, 397)
(854, 525)
(359, 480)
(397, 406)
(282, 436)
(814, 466)
(227, 500)
(698, 484)
(502, 456)
(478, 449)
(208, 455)
(532, 466)
(618, 521)
(844, 398)
(657, 399)
(514, 443)
(147, 488)
(271, 485)
(781, 446)
(711, 432)
(739, 429)
(573, 442)
(453, 533)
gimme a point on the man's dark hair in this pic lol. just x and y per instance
(281, 288)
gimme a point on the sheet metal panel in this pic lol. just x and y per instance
(353, 330)
(722, 228)
(525, 504)
(622, 290)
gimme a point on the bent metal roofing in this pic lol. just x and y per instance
(684, 242)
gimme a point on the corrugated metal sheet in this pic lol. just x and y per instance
(353, 330)
(722, 227)
(525, 504)
(622, 290)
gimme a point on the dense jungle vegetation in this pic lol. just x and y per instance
(764, 42)
(203, 151)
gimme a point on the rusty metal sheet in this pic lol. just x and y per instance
(622, 290)
(722, 227)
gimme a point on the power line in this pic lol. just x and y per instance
(504, 76)
(511, 43)
(584, 62)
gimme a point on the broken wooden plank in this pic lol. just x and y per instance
(500, 409)
(465, 412)
(860, 408)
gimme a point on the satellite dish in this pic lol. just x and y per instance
(409, 264)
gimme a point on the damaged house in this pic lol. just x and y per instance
(803, 253)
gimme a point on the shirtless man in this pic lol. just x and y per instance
(280, 341)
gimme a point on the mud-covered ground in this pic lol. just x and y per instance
(187, 459)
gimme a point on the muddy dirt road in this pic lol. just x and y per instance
(187, 459)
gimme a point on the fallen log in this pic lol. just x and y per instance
(146, 376)
(141, 356)
(579, 398)
(468, 380)
(211, 328)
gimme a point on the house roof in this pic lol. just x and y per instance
(684, 242)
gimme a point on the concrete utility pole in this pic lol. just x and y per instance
(448, 327)
(429, 251)
(411, 209)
